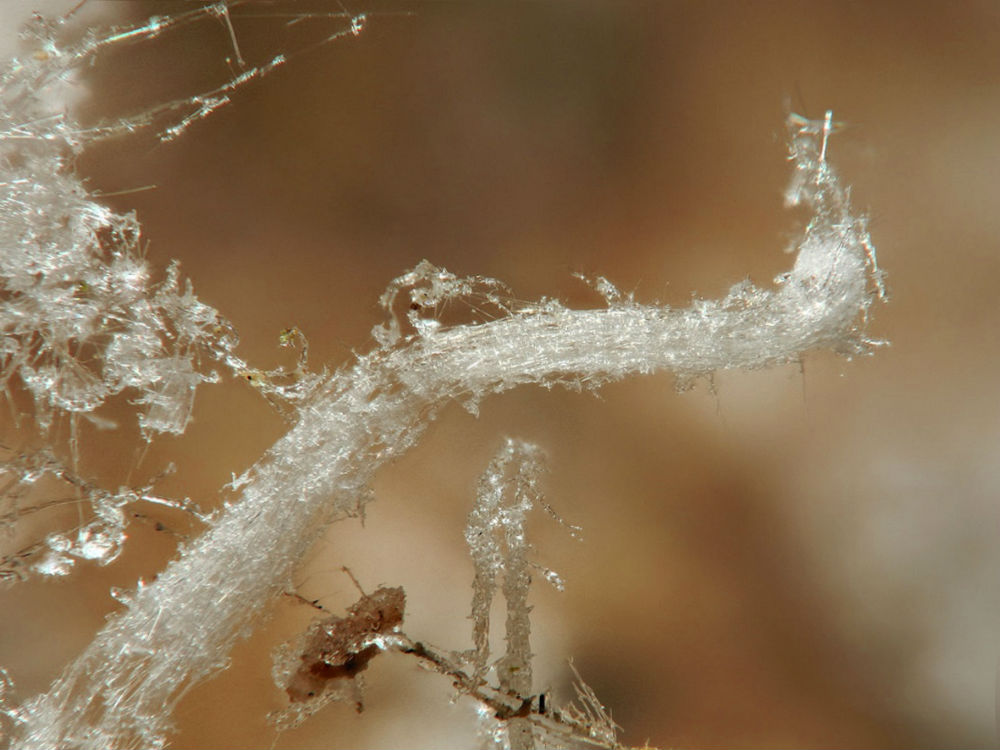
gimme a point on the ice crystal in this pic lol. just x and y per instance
(100, 540)
(429, 289)
(497, 539)
(495, 533)
(588, 713)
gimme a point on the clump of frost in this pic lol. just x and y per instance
(612, 295)
(428, 289)
(82, 315)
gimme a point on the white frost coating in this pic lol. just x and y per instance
(121, 691)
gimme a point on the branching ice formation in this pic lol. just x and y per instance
(496, 538)
(100, 540)
(82, 317)
(82, 320)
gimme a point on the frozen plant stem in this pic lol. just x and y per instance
(178, 630)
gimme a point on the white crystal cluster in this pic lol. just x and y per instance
(82, 315)
(82, 320)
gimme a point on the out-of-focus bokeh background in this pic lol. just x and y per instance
(807, 556)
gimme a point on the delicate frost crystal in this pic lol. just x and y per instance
(508, 490)
(81, 317)
(101, 540)
(554, 579)
(495, 533)
(99, 543)
(429, 289)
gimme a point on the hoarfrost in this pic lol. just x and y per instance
(429, 289)
(81, 320)
(495, 533)
(82, 316)
(54, 564)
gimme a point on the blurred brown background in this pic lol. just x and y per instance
(800, 557)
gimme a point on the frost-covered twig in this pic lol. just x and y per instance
(583, 722)
(122, 690)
